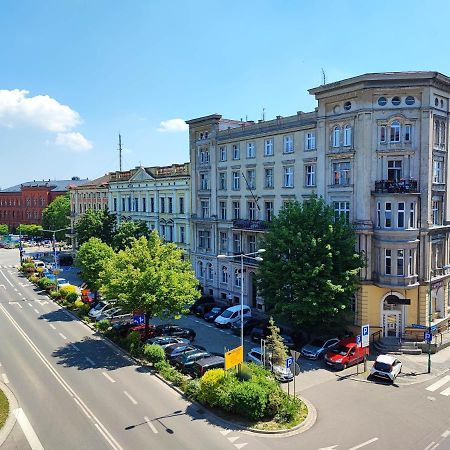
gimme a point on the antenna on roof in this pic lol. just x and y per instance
(120, 152)
(324, 76)
(264, 114)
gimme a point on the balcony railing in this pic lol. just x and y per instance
(400, 186)
(255, 225)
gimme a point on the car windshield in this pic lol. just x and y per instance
(215, 310)
(100, 306)
(227, 313)
(340, 350)
(382, 367)
(317, 342)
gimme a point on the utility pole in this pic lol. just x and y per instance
(120, 152)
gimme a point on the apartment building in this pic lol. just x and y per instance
(375, 148)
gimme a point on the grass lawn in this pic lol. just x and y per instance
(4, 408)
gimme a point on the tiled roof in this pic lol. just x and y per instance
(54, 185)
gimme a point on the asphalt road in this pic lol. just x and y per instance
(77, 392)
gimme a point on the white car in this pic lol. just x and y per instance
(281, 373)
(386, 367)
(231, 314)
(98, 309)
(109, 314)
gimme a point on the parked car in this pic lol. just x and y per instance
(231, 314)
(200, 301)
(165, 341)
(281, 373)
(260, 331)
(123, 327)
(109, 314)
(203, 308)
(213, 313)
(249, 324)
(346, 353)
(175, 330)
(317, 348)
(98, 309)
(187, 359)
(141, 330)
(174, 350)
(201, 366)
(386, 367)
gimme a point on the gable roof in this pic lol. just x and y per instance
(53, 185)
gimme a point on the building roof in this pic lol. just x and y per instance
(100, 182)
(175, 170)
(53, 185)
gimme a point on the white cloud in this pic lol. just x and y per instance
(173, 126)
(73, 141)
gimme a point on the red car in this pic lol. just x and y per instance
(346, 353)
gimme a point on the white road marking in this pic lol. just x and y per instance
(364, 444)
(74, 347)
(107, 435)
(225, 432)
(233, 438)
(431, 398)
(240, 445)
(439, 383)
(36, 311)
(149, 423)
(52, 326)
(20, 294)
(132, 400)
(5, 378)
(27, 429)
(446, 392)
(30, 305)
(4, 276)
(108, 377)
(3, 286)
(89, 360)
(62, 336)
(445, 433)
(431, 446)
(15, 289)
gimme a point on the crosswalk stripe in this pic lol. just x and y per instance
(439, 383)
(445, 392)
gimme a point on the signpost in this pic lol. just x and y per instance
(427, 336)
(234, 357)
(139, 320)
(289, 361)
(419, 327)
(365, 340)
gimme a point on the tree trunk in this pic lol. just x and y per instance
(147, 323)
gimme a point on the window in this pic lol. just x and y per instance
(222, 180)
(268, 178)
(251, 244)
(378, 214)
(268, 211)
(114, 204)
(437, 127)
(152, 204)
(251, 210)
(342, 211)
(237, 277)
(387, 215)
(387, 261)
(410, 100)
(223, 153)
(395, 131)
(394, 170)
(348, 106)
(163, 232)
(236, 152)
(396, 101)
(204, 181)
(436, 211)
(341, 173)
(401, 215)
(129, 203)
(181, 205)
(182, 235)
(288, 176)
(251, 179)
(236, 211)
(412, 215)
(136, 204)
(201, 271)
(223, 241)
(250, 150)
(123, 204)
(223, 210)
(442, 135)
(268, 147)
(170, 233)
(144, 204)
(400, 262)
(288, 142)
(336, 137)
(382, 101)
(383, 133)
(236, 180)
(204, 239)
(209, 271)
(204, 205)
(224, 274)
(310, 141)
(310, 175)
(438, 172)
(347, 135)
(236, 243)
(170, 205)
(408, 129)
(411, 263)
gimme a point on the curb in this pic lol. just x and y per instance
(11, 420)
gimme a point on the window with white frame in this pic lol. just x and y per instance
(387, 261)
(387, 215)
(438, 171)
(204, 239)
(347, 135)
(236, 210)
(395, 131)
(236, 180)
(251, 243)
(341, 173)
(288, 177)
(408, 133)
(310, 141)
(251, 210)
(288, 144)
(394, 172)
(436, 211)
(342, 211)
(204, 206)
(268, 177)
(336, 137)
(236, 243)
(412, 215)
(209, 272)
(222, 181)
(439, 133)
(204, 181)
(237, 277)
(224, 274)
(401, 215)
(223, 210)
(268, 211)
(223, 242)
(268, 147)
(400, 262)
(250, 150)
(223, 153)
(310, 175)
(236, 151)
(251, 179)
(383, 134)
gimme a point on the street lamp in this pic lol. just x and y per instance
(54, 243)
(430, 312)
(242, 256)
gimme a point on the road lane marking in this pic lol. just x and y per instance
(132, 400)
(52, 326)
(104, 431)
(27, 429)
(3, 286)
(239, 446)
(36, 311)
(4, 276)
(30, 305)
(439, 383)
(62, 336)
(446, 392)
(225, 432)
(17, 304)
(364, 444)
(445, 434)
(108, 377)
(74, 347)
(5, 378)
(149, 423)
(15, 289)
(89, 360)
(429, 445)
(233, 438)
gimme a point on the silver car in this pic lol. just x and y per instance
(317, 348)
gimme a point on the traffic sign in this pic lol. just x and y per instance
(234, 357)
(427, 336)
(434, 328)
(139, 320)
(358, 339)
(289, 361)
(420, 327)
(365, 335)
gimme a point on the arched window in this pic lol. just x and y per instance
(237, 278)
(395, 131)
(336, 136)
(209, 271)
(224, 274)
(348, 135)
(436, 132)
(201, 272)
(442, 135)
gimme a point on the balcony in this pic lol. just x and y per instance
(254, 225)
(398, 187)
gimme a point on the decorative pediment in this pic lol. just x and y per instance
(140, 175)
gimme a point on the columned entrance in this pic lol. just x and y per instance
(392, 315)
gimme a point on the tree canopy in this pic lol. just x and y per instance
(3, 228)
(310, 268)
(98, 224)
(56, 215)
(91, 259)
(275, 345)
(29, 229)
(152, 277)
(127, 231)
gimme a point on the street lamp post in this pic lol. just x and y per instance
(54, 243)
(242, 256)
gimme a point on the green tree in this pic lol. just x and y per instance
(3, 228)
(30, 230)
(127, 231)
(310, 268)
(98, 224)
(152, 277)
(275, 345)
(91, 259)
(56, 215)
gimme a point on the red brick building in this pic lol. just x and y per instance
(25, 202)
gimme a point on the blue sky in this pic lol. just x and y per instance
(75, 73)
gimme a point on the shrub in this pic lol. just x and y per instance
(34, 279)
(274, 401)
(54, 294)
(72, 297)
(68, 289)
(133, 343)
(103, 325)
(245, 373)
(78, 304)
(161, 366)
(154, 353)
(224, 392)
(192, 389)
(289, 409)
(209, 384)
(28, 267)
(249, 400)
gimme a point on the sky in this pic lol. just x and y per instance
(76, 73)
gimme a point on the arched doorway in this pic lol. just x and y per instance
(392, 315)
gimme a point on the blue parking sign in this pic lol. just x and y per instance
(358, 339)
(427, 336)
(289, 361)
(139, 320)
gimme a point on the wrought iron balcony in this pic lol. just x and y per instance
(400, 186)
(255, 225)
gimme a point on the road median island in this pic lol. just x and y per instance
(4, 408)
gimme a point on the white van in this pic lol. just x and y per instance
(38, 263)
(231, 314)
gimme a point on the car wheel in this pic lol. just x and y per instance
(344, 366)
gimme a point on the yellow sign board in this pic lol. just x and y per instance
(234, 357)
